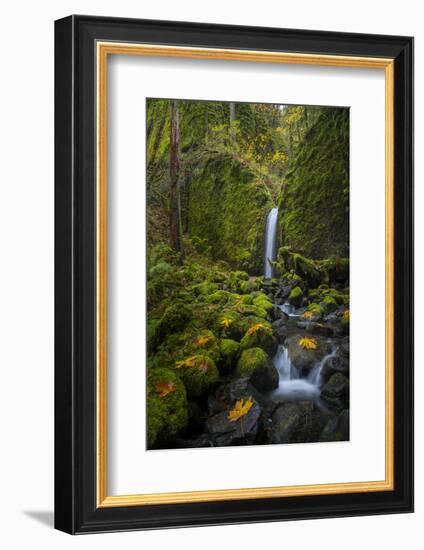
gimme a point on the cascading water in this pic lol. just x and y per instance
(291, 386)
(270, 242)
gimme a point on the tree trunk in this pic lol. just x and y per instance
(174, 168)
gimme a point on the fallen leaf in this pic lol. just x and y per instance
(307, 343)
(240, 409)
(164, 387)
(203, 340)
(255, 328)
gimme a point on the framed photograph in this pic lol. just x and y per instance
(234, 274)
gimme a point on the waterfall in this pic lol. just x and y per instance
(291, 386)
(270, 242)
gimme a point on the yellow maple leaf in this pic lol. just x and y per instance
(164, 387)
(226, 322)
(203, 340)
(240, 409)
(346, 315)
(188, 362)
(255, 328)
(307, 343)
(198, 362)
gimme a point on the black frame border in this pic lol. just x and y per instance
(75, 274)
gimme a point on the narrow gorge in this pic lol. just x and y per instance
(248, 310)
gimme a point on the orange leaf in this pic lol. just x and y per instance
(255, 328)
(203, 340)
(240, 409)
(164, 387)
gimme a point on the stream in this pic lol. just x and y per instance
(291, 386)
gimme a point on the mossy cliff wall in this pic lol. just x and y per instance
(314, 200)
(227, 205)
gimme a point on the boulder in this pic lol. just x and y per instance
(305, 359)
(167, 410)
(337, 428)
(335, 393)
(316, 328)
(338, 363)
(297, 422)
(223, 432)
(255, 364)
(198, 373)
(295, 296)
(230, 351)
(259, 335)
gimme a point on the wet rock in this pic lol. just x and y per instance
(337, 428)
(316, 328)
(243, 431)
(255, 364)
(305, 359)
(237, 389)
(297, 422)
(338, 363)
(335, 393)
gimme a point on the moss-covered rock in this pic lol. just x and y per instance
(328, 304)
(175, 319)
(230, 351)
(166, 406)
(260, 335)
(304, 268)
(198, 373)
(303, 356)
(227, 205)
(314, 201)
(295, 296)
(256, 365)
(262, 301)
(202, 343)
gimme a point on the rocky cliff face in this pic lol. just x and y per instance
(227, 206)
(314, 199)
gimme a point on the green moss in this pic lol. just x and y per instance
(261, 338)
(175, 319)
(227, 205)
(230, 350)
(205, 288)
(262, 301)
(218, 297)
(199, 377)
(328, 304)
(304, 268)
(295, 296)
(166, 415)
(317, 310)
(250, 360)
(201, 343)
(314, 200)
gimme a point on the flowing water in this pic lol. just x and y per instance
(270, 242)
(291, 385)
